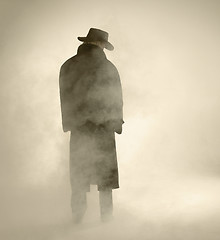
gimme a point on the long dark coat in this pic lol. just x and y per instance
(91, 105)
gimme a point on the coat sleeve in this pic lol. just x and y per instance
(65, 94)
(118, 99)
(115, 99)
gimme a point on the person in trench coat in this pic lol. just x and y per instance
(91, 106)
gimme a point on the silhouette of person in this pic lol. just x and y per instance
(91, 106)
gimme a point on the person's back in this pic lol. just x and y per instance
(90, 88)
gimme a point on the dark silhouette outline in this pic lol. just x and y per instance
(91, 105)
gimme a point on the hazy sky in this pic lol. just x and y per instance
(167, 53)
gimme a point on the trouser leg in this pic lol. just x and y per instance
(79, 205)
(106, 204)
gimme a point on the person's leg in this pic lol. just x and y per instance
(78, 184)
(79, 205)
(106, 204)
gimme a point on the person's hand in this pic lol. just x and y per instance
(116, 126)
(65, 129)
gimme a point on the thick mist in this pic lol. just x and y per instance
(167, 54)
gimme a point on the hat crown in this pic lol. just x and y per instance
(95, 34)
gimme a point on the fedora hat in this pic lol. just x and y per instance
(97, 35)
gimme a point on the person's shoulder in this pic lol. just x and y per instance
(110, 65)
(69, 62)
(111, 70)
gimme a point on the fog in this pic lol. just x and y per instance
(167, 54)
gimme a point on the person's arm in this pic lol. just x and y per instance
(116, 101)
(64, 100)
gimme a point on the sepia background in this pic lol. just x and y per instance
(167, 53)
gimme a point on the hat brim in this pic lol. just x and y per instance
(108, 45)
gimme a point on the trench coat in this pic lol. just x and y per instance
(91, 106)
